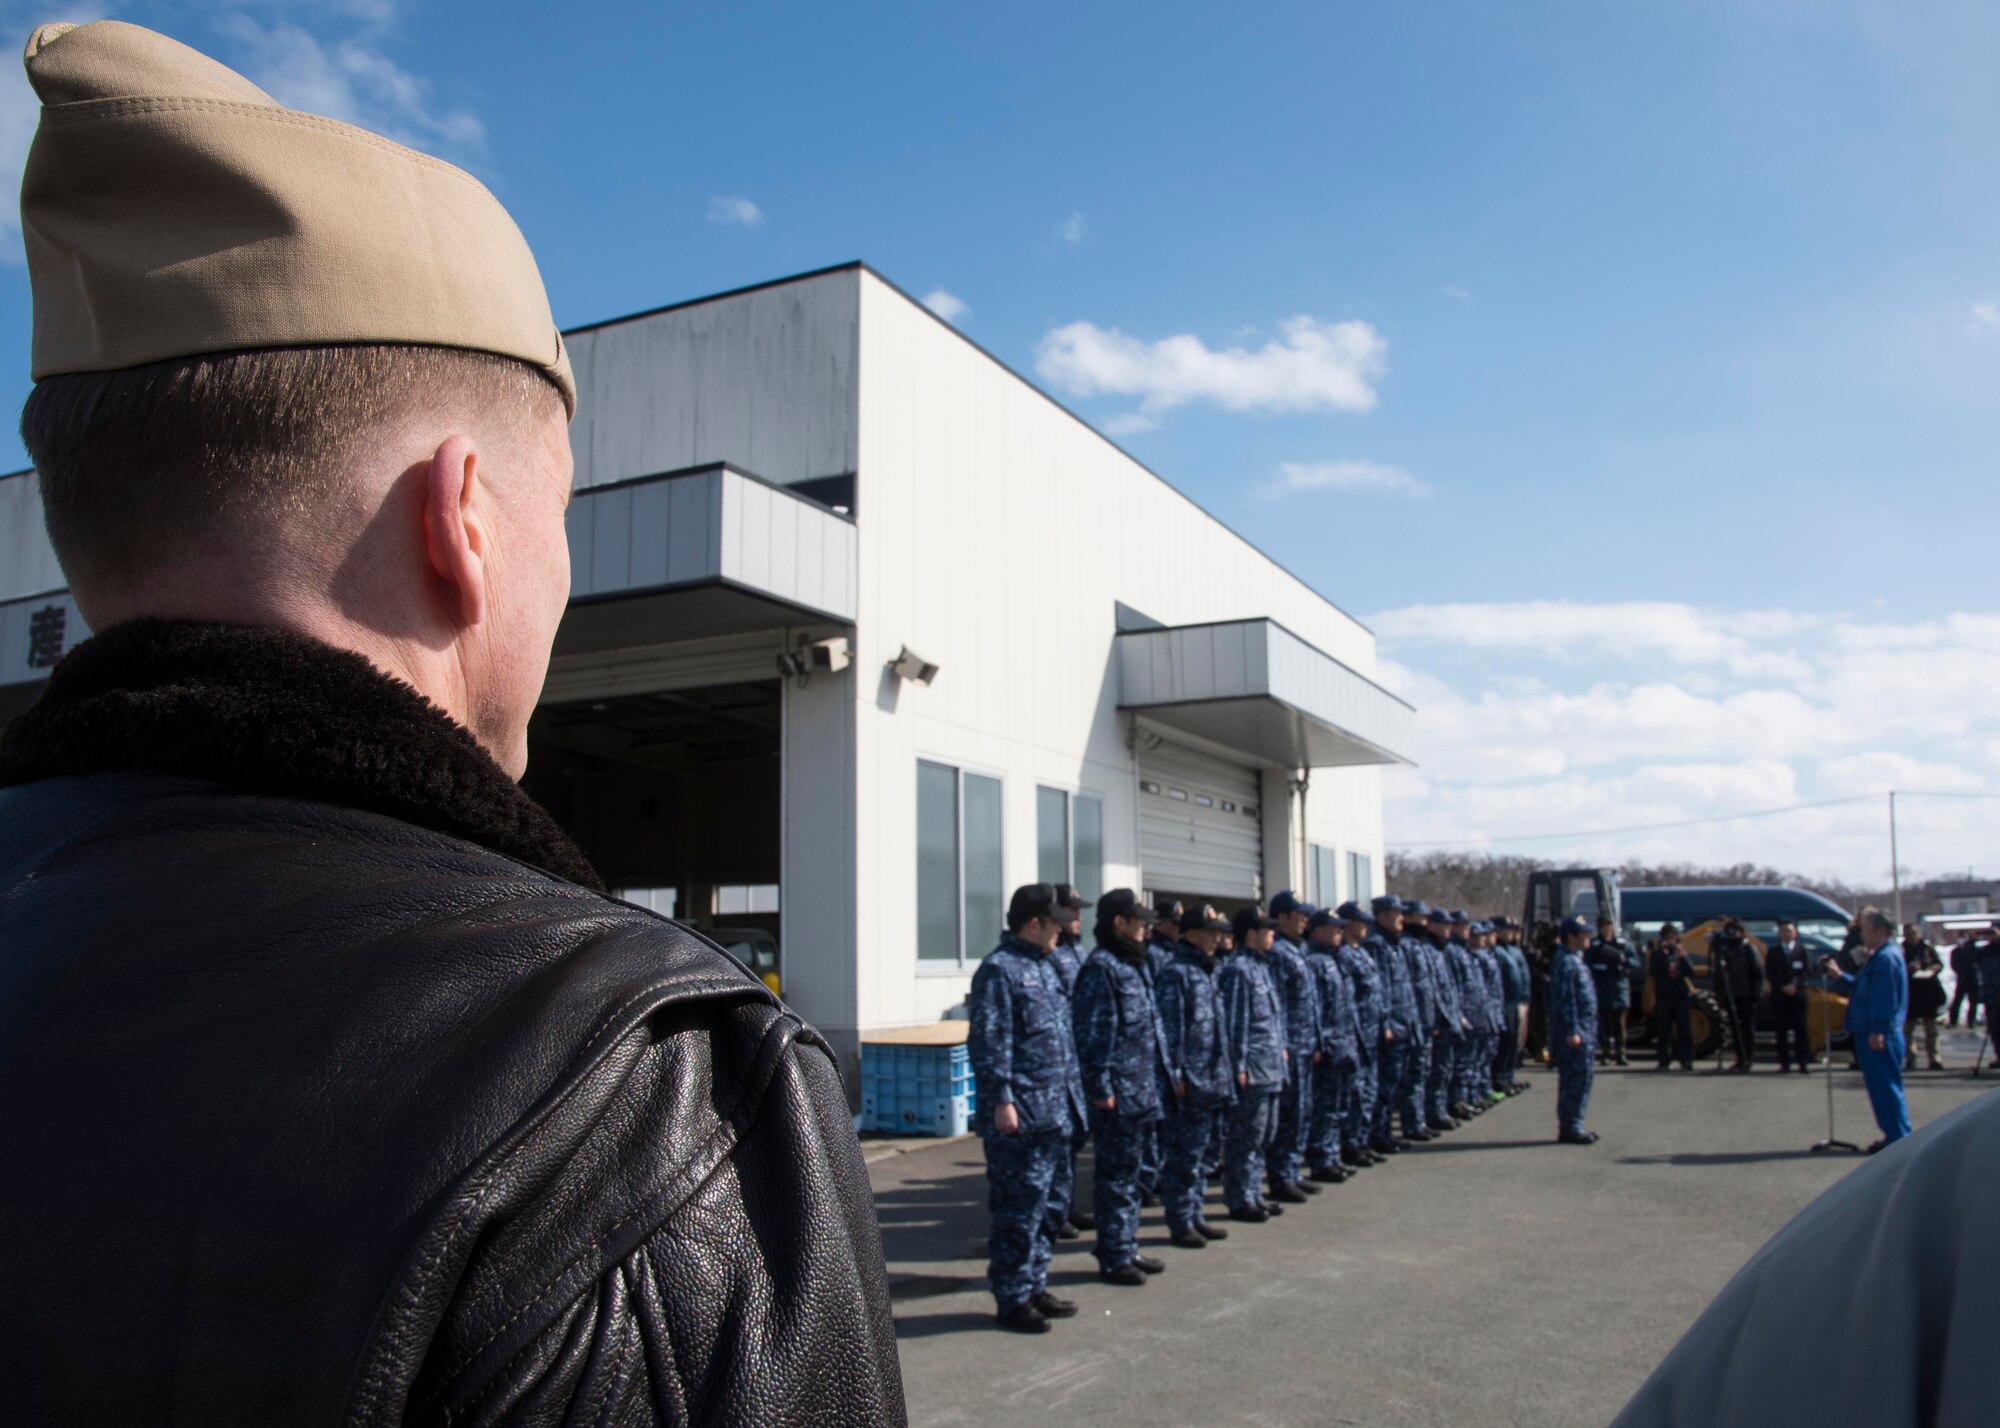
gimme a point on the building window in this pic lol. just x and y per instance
(960, 900)
(1325, 888)
(1051, 835)
(1069, 840)
(660, 900)
(740, 899)
(1360, 877)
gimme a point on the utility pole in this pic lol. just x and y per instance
(1895, 873)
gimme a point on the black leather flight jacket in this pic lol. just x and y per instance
(316, 1115)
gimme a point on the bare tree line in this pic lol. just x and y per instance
(1484, 883)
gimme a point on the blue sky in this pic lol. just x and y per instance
(1634, 370)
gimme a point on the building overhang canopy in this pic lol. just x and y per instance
(1257, 690)
(700, 553)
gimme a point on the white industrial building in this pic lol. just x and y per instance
(785, 490)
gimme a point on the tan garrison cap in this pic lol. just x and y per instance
(171, 208)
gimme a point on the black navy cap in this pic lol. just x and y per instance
(1459, 919)
(1168, 909)
(1572, 925)
(1323, 918)
(1248, 919)
(1067, 896)
(1032, 900)
(1203, 919)
(1388, 902)
(1121, 902)
(1289, 901)
(1350, 912)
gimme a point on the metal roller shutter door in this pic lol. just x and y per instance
(1200, 833)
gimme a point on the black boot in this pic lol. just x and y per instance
(1129, 1275)
(1024, 1319)
(1210, 1232)
(1189, 1238)
(1054, 1306)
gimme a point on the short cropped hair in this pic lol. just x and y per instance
(138, 466)
(1878, 921)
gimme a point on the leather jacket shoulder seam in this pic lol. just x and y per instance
(739, 1116)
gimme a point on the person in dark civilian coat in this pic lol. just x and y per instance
(1785, 970)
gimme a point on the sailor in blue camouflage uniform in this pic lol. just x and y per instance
(1448, 1026)
(1412, 1103)
(1516, 985)
(1572, 1031)
(1199, 1083)
(1478, 1080)
(1030, 1100)
(1370, 1020)
(1284, 1165)
(1066, 1220)
(1460, 1099)
(1253, 1035)
(1164, 925)
(1399, 1017)
(1337, 1053)
(1119, 1055)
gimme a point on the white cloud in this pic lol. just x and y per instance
(1073, 229)
(1558, 718)
(734, 208)
(351, 79)
(1635, 629)
(1313, 366)
(946, 305)
(1364, 477)
(1985, 319)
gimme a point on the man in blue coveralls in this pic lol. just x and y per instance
(1572, 1031)
(1030, 1104)
(1876, 998)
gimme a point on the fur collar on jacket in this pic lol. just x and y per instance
(279, 714)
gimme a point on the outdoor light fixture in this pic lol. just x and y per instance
(910, 665)
(830, 655)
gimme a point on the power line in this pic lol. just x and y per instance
(1679, 823)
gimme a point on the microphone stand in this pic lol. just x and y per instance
(1826, 1047)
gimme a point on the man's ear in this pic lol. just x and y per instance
(455, 541)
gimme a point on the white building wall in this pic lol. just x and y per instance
(763, 379)
(981, 507)
(27, 560)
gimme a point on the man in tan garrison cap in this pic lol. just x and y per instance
(336, 1089)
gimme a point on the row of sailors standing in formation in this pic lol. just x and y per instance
(1291, 1062)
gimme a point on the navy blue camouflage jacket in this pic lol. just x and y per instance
(1490, 997)
(1253, 1019)
(1339, 1029)
(1300, 991)
(1392, 966)
(1369, 1003)
(1022, 1049)
(1190, 1010)
(1067, 959)
(1118, 1037)
(1158, 954)
(1448, 966)
(1516, 983)
(1572, 1001)
(1419, 954)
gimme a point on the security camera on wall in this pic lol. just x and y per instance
(913, 667)
(831, 655)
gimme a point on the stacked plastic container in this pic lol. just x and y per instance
(916, 1090)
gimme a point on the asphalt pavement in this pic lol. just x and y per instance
(1493, 1277)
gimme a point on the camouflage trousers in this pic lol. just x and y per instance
(1333, 1101)
(1575, 1066)
(1392, 1064)
(1410, 1085)
(1152, 1154)
(1185, 1136)
(1253, 1120)
(1441, 1079)
(1360, 1125)
(1062, 1192)
(1120, 1143)
(1295, 1112)
(1475, 1075)
(1020, 1170)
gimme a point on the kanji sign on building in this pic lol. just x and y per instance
(46, 629)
